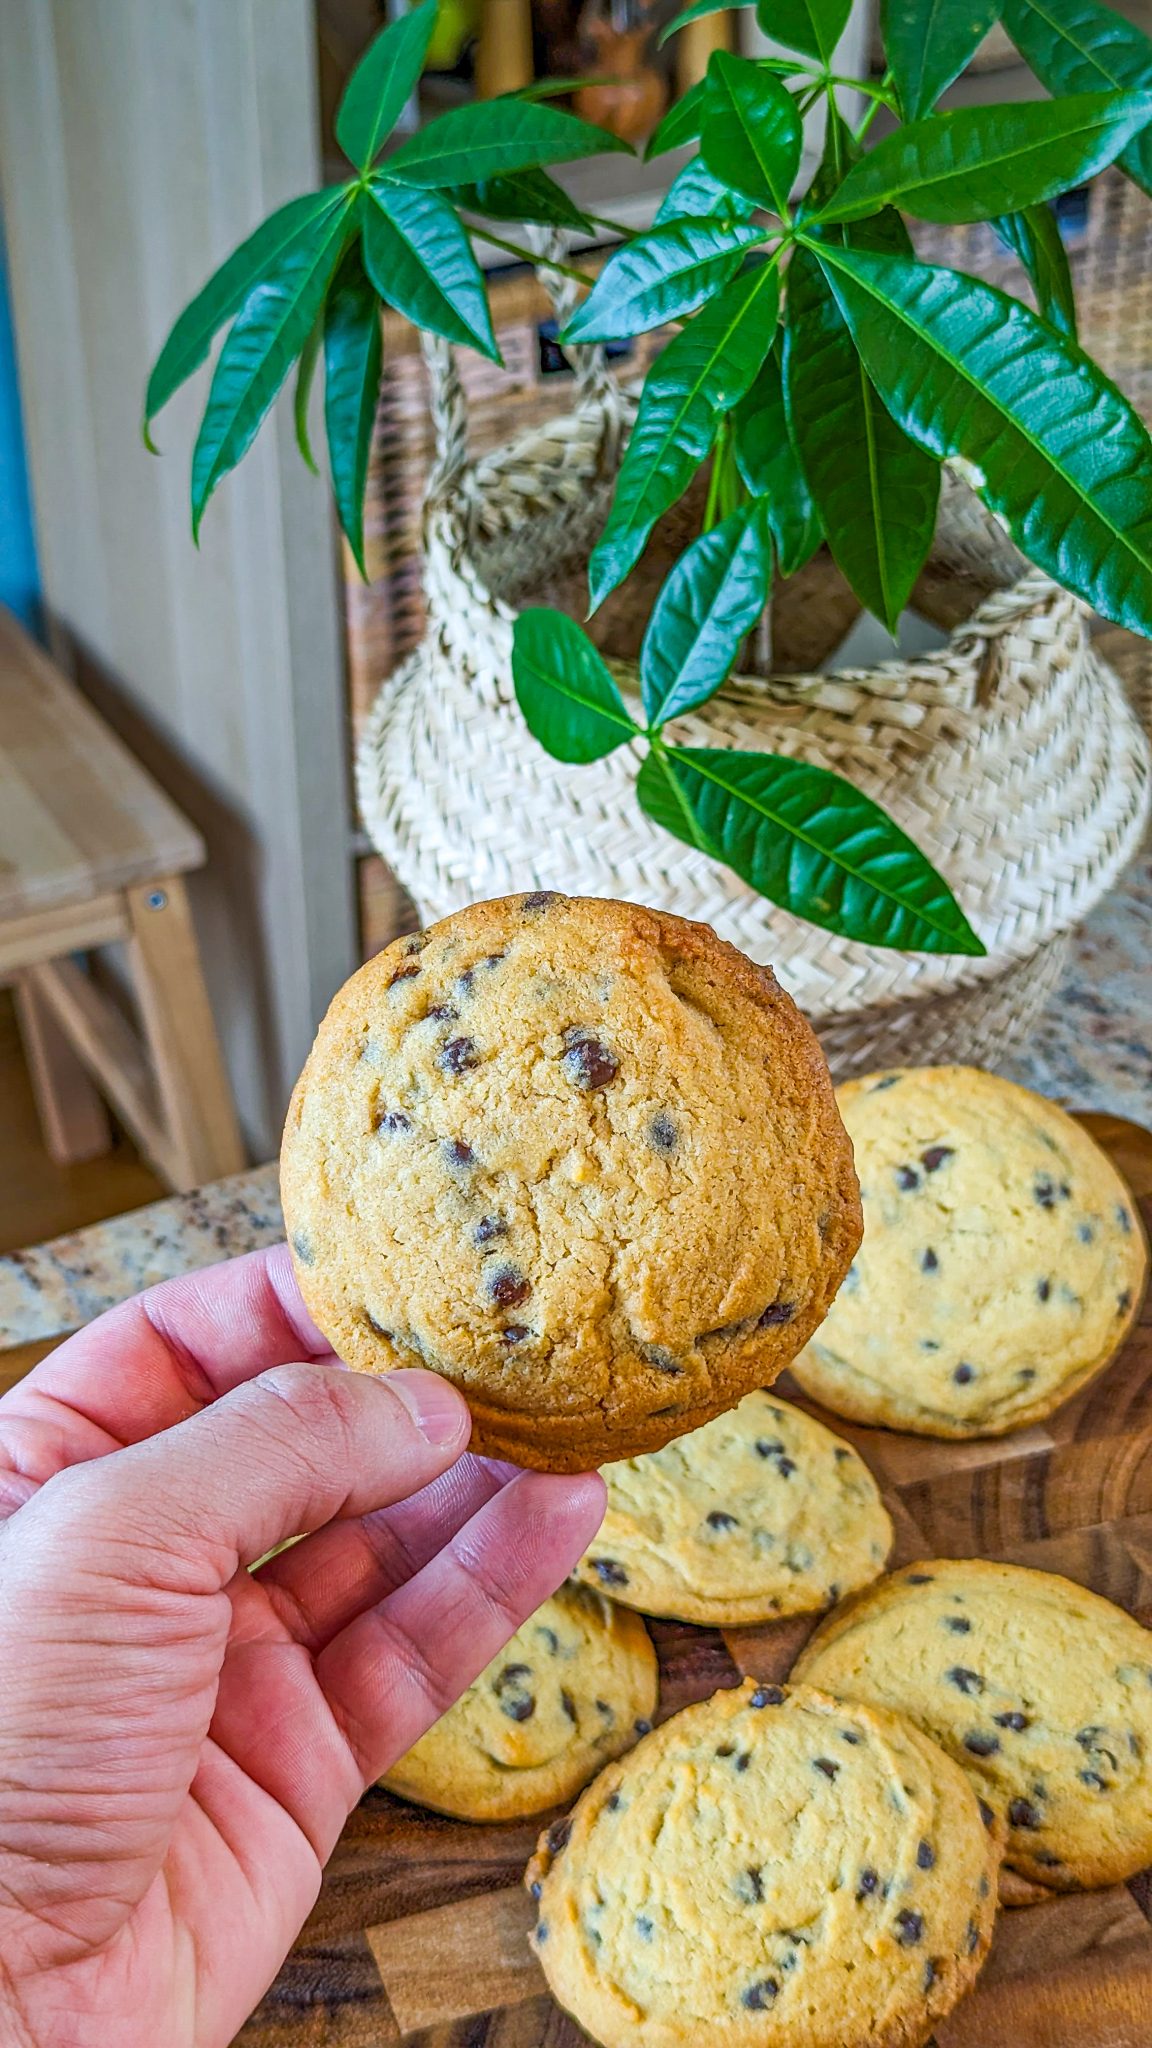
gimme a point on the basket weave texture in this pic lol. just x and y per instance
(1013, 755)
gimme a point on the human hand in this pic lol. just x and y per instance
(182, 1740)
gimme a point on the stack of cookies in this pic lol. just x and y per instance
(585, 1160)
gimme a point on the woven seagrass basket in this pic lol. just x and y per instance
(1012, 755)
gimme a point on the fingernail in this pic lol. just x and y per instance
(438, 1411)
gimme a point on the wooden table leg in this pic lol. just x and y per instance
(195, 1099)
(504, 51)
(72, 1116)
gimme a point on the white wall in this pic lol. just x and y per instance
(139, 141)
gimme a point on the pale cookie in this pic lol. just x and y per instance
(573, 1689)
(1043, 1692)
(772, 1869)
(1003, 1261)
(582, 1158)
(761, 1513)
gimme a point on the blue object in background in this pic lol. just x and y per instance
(19, 583)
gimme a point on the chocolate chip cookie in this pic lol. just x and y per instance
(1003, 1261)
(580, 1157)
(769, 1867)
(763, 1512)
(573, 1689)
(1040, 1689)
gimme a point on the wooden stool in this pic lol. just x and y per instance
(91, 853)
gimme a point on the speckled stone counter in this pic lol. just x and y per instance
(1091, 1050)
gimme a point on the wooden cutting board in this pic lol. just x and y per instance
(419, 1933)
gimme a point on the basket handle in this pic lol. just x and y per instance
(595, 386)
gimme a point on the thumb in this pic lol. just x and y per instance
(286, 1452)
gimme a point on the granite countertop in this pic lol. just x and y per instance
(1092, 1049)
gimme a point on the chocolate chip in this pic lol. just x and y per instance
(662, 1133)
(456, 1055)
(642, 1727)
(608, 1571)
(964, 1373)
(540, 899)
(907, 1178)
(972, 1938)
(1044, 1192)
(519, 1708)
(1123, 1217)
(515, 1333)
(929, 1263)
(979, 1744)
(850, 1736)
(767, 1696)
(1013, 1719)
(958, 1624)
(769, 1446)
(719, 1520)
(888, 1081)
(1124, 1301)
(405, 973)
(507, 1287)
(931, 1972)
(833, 1593)
(1047, 1860)
(936, 1155)
(442, 1013)
(776, 1312)
(393, 1122)
(1026, 1374)
(458, 1154)
(785, 1467)
(662, 1359)
(726, 1749)
(1043, 1289)
(925, 1856)
(1022, 1814)
(415, 943)
(588, 1064)
(535, 1888)
(488, 1228)
(569, 1706)
(1094, 1779)
(643, 1926)
(1085, 1233)
(869, 1883)
(826, 1765)
(986, 1813)
(612, 1802)
(761, 1995)
(512, 1675)
(910, 1926)
(541, 1932)
(377, 1329)
(748, 1886)
(303, 1247)
(919, 1578)
(557, 1835)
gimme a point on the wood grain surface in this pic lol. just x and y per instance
(418, 1936)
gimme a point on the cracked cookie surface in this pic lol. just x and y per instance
(769, 1868)
(1003, 1260)
(1039, 1688)
(582, 1158)
(573, 1689)
(761, 1513)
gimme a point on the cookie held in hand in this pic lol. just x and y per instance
(770, 1869)
(582, 1158)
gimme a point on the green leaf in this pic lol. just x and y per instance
(1034, 236)
(680, 124)
(268, 333)
(305, 371)
(297, 224)
(1077, 46)
(982, 161)
(696, 12)
(814, 26)
(702, 373)
(770, 468)
(353, 349)
(808, 841)
(663, 275)
(874, 490)
(928, 43)
(752, 134)
(565, 689)
(420, 260)
(969, 371)
(695, 194)
(490, 137)
(382, 84)
(711, 598)
(523, 195)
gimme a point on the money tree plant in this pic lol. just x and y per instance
(816, 366)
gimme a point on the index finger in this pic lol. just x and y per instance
(151, 1362)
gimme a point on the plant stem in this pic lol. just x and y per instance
(874, 109)
(531, 256)
(715, 479)
(614, 227)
